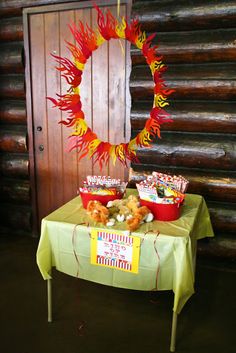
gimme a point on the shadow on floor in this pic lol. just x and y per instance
(91, 318)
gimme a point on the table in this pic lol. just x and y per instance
(65, 245)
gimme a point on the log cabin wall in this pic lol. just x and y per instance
(14, 185)
(198, 42)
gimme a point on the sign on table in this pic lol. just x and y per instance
(115, 250)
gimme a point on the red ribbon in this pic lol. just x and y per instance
(158, 257)
(73, 243)
(158, 265)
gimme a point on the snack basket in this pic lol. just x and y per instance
(163, 194)
(101, 188)
(163, 212)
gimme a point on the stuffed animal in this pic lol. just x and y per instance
(140, 215)
(118, 209)
(124, 208)
(133, 203)
(98, 212)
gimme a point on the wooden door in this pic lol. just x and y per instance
(55, 173)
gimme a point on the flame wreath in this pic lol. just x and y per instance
(87, 41)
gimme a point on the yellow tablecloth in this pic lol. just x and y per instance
(67, 247)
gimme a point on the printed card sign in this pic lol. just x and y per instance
(115, 250)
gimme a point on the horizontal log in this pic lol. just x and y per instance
(13, 141)
(14, 165)
(11, 29)
(218, 186)
(16, 217)
(10, 12)
(171, 15)
(11, 58)
(210, 71)
(217, 248)
(192, 47)
(15, 190)
(206, 82)
(173, 169)
(13, 112)
(191, 151)
(223, 217)
(190, 116)
(188, 89)
(12, 86)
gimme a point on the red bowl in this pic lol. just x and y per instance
(104, 199)
(163, 212)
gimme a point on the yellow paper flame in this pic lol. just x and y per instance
(79, 65)
(120, 28)
(80, 127)
(141, 39)
(113, 154)
(93, 146)
(156, 66)
(160, 101)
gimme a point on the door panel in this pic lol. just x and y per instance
(58, 173)
(70, 160)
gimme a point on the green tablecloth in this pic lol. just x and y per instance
(170, 255)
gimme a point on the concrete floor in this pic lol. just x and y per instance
(90, 318)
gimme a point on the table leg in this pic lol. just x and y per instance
(173, 331)
(49, 293)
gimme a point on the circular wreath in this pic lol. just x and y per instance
(87, 41)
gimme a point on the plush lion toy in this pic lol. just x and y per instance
(98, 212)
